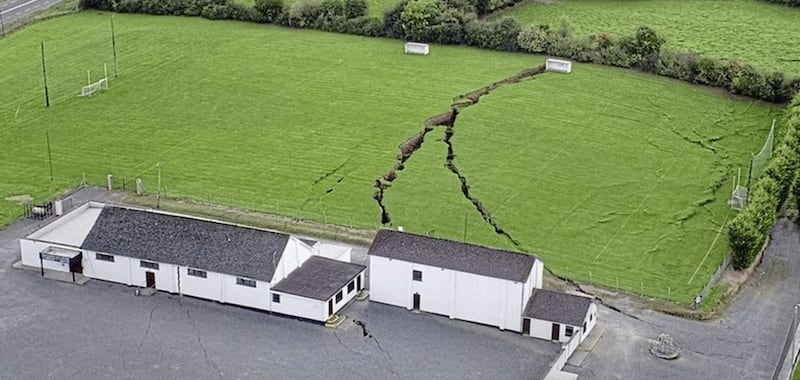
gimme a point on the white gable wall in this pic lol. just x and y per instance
(460, 295)
(294, 254)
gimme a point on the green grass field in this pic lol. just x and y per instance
(758, 32)
(604, 171)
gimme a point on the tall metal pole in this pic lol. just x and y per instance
(44, 74)
(158, 194)
(49, 155)
(114, 46)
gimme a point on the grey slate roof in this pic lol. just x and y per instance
(453, 255)
(185, 241)
(319, 278)
(557, 307)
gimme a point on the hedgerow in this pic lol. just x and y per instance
(749, 229)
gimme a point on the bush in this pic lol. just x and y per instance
(417, 16)
(535, 39)
(304, 13)
(269, 9)
(392, 22)
(355, 8)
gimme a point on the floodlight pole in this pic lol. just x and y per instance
(44, 74)
(49, 155)
(749, 171)
(114, 46)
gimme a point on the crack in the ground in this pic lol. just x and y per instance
(447, 120)
(367, 334)
(331, 172)
(346, 346)
(149, 323)
(200, 341)
(578, 287)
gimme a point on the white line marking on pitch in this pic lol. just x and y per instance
(711, 247)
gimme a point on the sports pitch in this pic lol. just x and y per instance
(760, 33)
(605, 171)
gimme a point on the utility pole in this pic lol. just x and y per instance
(44, 74)
(158, 194)
(114, 47)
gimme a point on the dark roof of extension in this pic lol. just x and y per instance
(319, 278)
(453, 255)
(186, 241)
(558, 307)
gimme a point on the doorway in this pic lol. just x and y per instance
(556, 330)
(330, 307)
(417, 301)
(358, 282)
(150, 279)
(526, 326)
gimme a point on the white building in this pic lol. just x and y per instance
(459, 280)
(558, 316)
(477, 284)
(197, 257)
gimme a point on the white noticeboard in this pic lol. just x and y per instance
(558, 65)
(417, 48)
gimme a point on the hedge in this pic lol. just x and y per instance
(455, 22)
(790, 3)
(749, 229)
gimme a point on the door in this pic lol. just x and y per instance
(330, 307)
(150, 279)
(416, 301)
(358, 282)
(526, 326)
(556, 330)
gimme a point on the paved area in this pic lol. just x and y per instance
(53, 329)
(16, 10)
(744, 344)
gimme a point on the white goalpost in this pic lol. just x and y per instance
(93, 87)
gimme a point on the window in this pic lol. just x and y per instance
(102, 257)
(416, 275)
(351, 286)
(276, 298)
(568, 331)
(148, 264)
(590, 316)
(339, 296)
(245, 282)
(196, 273)
(584, 326)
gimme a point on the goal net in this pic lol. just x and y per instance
(93, 87)
(758, 162)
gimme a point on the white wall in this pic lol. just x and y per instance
(294, 255)
(590, 323)
(458, 295)
(166, 275)
(301, 307)
(118, 271)
(346, 296)
(258, 297)
(209, 288)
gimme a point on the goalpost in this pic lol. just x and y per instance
(758, 162)
(93, 87)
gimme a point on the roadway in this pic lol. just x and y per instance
(13, 11)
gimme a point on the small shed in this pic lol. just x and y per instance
(558, 316)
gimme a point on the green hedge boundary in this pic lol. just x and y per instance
(749, 229)
(456, 22)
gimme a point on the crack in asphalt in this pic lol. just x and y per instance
(367, 334)
(578, 287)
(199, 340)
(149, 324)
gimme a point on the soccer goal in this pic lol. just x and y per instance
(758, 162)
(93, 87)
